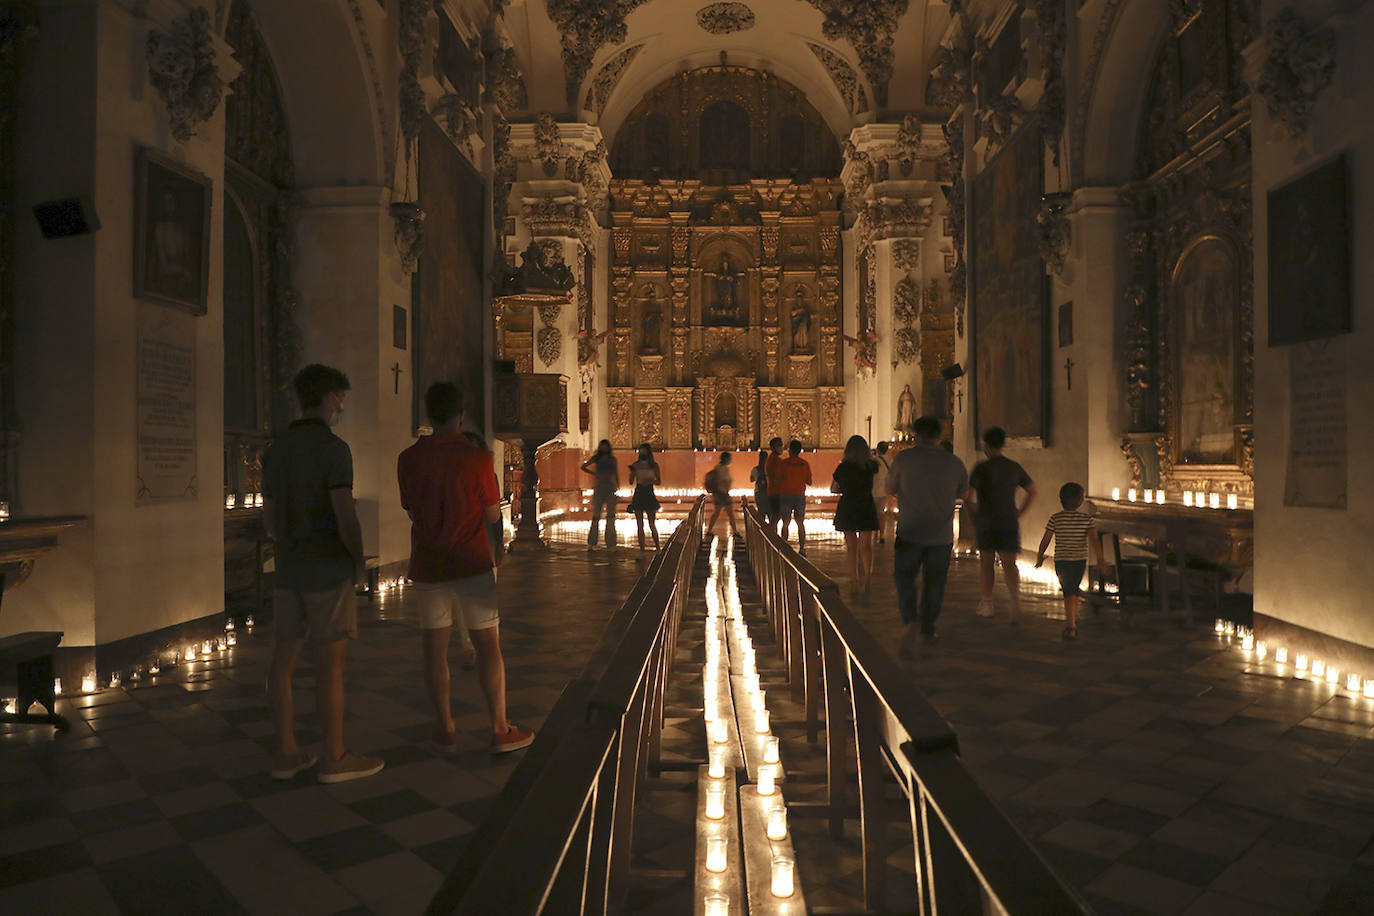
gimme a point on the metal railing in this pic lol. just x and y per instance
(559, 836)
(969, 858)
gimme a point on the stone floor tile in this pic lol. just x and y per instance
(79, 891)
(1091, 839)
(303, 814)
(401, 883)
(117, 844)
(1144, 890)
(266, 874)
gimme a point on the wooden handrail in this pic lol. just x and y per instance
(966, 848)
(558, 838)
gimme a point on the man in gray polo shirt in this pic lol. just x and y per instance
(927, 480)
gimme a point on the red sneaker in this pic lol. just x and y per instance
(514, 739)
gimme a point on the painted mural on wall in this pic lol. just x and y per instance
(1206, 295)
(1009, 291)
(449, 311)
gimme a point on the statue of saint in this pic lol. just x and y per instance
(801, 322)
(650, 317)
(906, 409)
(724, 308)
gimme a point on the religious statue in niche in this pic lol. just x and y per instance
(724, 303)
(650, 320)
(865, 351)
(801, 322)
(906, 409)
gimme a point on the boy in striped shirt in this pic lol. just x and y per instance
(1070, 529)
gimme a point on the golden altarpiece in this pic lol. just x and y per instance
(725, 303)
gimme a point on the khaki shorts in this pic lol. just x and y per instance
(469, 602)
(323, 617)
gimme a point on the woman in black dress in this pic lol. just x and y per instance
(857, 515)
(645, 474)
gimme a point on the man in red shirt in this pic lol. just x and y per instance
(794, 476)
(448, 485)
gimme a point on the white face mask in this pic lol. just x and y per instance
(338, 415)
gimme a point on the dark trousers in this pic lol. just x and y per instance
(908, 561)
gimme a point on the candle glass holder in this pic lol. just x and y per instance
(770, 749)
(766, 783)
(715, 854)
(715, 803)
(777, 823)
(783, 883)
(717, 904)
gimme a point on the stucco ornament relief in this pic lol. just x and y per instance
(724, 18)
(908, 343)
(844, 76)
(869, 27)
(411, 25)
(608, 77)
(1298, 65)
(1055, 232)
(549, 342)
(586, 25)
(181, 67)
(548, 143)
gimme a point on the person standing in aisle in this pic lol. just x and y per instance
(605, 471)
(645, 474)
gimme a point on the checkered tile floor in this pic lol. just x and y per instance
(158, 800)
(1155, 769)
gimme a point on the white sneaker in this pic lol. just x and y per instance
(985, 607)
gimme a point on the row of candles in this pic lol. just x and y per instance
(1303, 665)
(250, 501)
(725, 623)
(204, 650)
(1196, 498)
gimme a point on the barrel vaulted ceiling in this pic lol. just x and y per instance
(854, 59)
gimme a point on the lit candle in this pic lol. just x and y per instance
(751, 682)
(1232, 501)
(715, 803)
(1369, 688)
(233, 639)
(1318, 668)
(230, 501)
(257, 500)
(1281, 655)
(767, 785)
(717, 768)
(154, 668)
(711, 712)
(248, 622)
(777, 823)
(1220, 626)
(229, 624)
(114, 678)
(1149, 496)
(1130, 494)
(717, 904)
(1116, 493)
(1214, 500)
(1333, 676)
(719, 733)
(1200, 499)
(1247, 641)
(1230, 628)
(191, 653)
(715, 854)
(761, 721)
(1261, 649)
(757, 700)
(1187, 497)
(770, 749)
(9, 707)
(88, 683)
(1352, 682)
(1160, 497)
(1300, 663)
(783, 867)
(4, 510)
(137, 674)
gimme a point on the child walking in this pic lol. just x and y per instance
(1069, 529)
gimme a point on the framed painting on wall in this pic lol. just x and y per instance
(171, 232)
(1309, 256)
(1010, 292)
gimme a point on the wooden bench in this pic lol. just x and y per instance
(30, 656)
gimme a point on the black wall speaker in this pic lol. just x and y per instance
(58, 219)
(950, 373)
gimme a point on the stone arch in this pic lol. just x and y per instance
(330, 89)
(1119, 75)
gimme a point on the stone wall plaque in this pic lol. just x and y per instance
(1317, 457)
(165, 418)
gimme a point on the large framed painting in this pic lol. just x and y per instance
(1205, 301)
(449, 308)
(171, 232)
(1309, 256)
(1010, 310)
